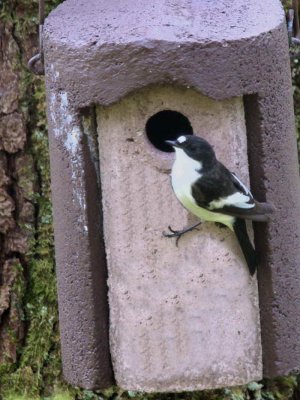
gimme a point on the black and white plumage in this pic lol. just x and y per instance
(207, 189)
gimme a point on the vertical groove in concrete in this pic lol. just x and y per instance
(80, 255)
(181, 318)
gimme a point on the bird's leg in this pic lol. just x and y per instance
(178, 234)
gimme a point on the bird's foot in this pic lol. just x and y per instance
(178, 234)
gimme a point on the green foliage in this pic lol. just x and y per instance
(295, 69)
(296, 89)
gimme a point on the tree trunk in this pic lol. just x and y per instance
(29, 356)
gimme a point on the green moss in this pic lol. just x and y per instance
(39, 355)
(61, 396)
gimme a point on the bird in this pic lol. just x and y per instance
(207, 189)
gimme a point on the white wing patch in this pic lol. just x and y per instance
(237, 199)
(181, 139)
(247, 191)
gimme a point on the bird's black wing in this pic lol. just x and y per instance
(221, 191)
(211, 185)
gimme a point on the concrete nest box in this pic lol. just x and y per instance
(122, 77)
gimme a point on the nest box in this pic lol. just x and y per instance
(121, 78)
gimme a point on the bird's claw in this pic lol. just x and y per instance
(178, 234)
(173, 233)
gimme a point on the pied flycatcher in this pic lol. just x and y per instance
(207, 189)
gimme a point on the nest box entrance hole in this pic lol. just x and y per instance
(167, 125)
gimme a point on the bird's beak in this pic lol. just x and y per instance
(172, 143)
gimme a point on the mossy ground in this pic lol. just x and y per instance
(37, 372)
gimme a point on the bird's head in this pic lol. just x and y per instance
(195, 147)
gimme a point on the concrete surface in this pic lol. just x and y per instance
(183, 318)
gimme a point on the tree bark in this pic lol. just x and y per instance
(29, 351)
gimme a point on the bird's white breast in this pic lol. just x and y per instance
(185, 173)
(185, 170)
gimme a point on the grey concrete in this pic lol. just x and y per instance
(96, 52)
(79, 247)
(183, 318)
(112, 48)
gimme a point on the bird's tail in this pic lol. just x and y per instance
(250, 254)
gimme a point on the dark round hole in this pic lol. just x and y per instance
(167, 125)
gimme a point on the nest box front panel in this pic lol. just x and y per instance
(186, 317)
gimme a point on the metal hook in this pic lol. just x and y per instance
(39, 69)
(290, 24)
(33, 65)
